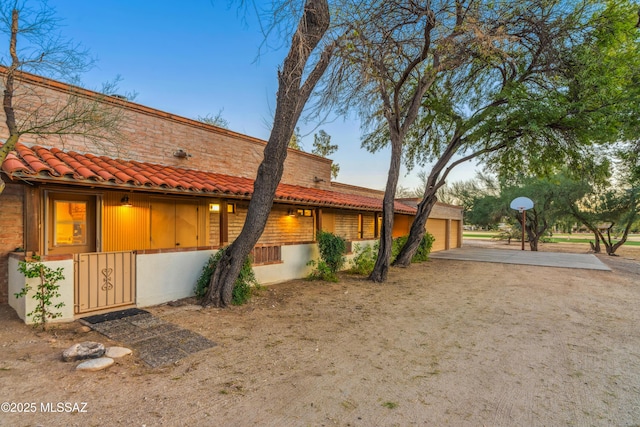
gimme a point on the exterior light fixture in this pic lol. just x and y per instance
(291, 212)
(214, 207)
(181, 154)
(125, 201)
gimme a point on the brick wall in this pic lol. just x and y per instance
(153, 136)
(359, 191)
(11, 231)
(281, 228)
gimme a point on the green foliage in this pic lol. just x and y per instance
(47, 290)
(364, 259)
(322, 146)
(422, 254)
(424, 249)
(244, 286)
(365, 256)
(332, 249)
(321, 271)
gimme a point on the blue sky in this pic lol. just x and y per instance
(198, 57)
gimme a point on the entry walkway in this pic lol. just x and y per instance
(510, 256)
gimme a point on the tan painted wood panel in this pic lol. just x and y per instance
(455, 234)
(104, 280)
(438, 228)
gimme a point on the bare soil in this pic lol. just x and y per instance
(441, 343)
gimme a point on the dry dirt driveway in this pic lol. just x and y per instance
(442, 343)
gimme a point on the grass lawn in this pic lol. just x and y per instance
(632, 240)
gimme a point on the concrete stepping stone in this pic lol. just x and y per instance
(116, 352)
(95, 364)
(83, 350)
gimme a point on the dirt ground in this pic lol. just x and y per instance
(441, 343)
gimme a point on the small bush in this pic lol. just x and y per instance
(321, 271)
(332, 249)
(364, 259)
(243, 287)
(424, 249)
(332, 259)
(46, 291)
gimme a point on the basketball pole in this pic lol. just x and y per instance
(523, 224)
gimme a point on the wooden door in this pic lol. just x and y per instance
(186, 225)
(163, 224)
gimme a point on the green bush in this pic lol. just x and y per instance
(332, 249)
(422, 254)
(46, 291)
(243, 287)
(321, 271)
(364, 259)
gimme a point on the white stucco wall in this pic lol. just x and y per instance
(293, 265)
(166, 277)
(25, 305)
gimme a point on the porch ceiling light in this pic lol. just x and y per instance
(291, 212)
(125, 201)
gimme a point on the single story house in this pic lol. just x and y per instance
(132, 223)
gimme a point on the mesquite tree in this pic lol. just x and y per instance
(295, 84)
(563, 79)
(394, 54)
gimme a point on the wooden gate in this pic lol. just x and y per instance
(104, 281)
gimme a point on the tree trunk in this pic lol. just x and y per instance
(292, 96)
(418, 230)
(381, 267)
(595, 247)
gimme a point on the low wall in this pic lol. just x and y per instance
(25, 305)
(167, 276)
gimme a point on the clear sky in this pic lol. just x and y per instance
(197, 57)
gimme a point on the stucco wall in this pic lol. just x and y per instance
(25, 305)
(164, 277)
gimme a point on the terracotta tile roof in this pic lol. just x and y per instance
(41, 164)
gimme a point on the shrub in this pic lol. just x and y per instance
(364, 259)
(332, 249)
(321, 271)
(47, 290)
(423, 251)
(243, 287)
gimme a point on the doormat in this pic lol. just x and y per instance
(114, 315)
(158, 343)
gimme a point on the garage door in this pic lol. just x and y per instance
(455, 236)
(438, 228)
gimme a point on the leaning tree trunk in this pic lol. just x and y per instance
(595, 247)
(381, 267)
(293, 93)
(417, 231)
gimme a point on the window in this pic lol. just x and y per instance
(231, 208)
(305, 212)
(70, 223)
